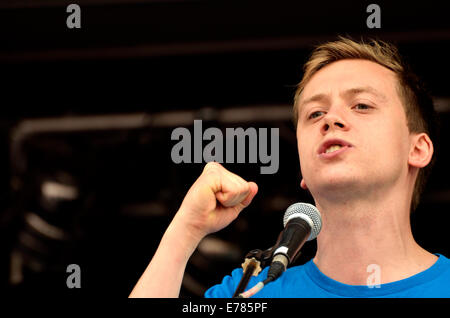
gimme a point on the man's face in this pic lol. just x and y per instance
(356, 102)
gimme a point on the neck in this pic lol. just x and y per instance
(361, 232)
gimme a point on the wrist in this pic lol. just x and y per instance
(182, 237)
(184, 222)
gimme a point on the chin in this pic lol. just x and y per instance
(337, 182)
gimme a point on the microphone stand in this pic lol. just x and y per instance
(254, 261)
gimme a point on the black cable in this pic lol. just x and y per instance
(275, 270)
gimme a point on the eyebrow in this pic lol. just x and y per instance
(347, 93)
(365, 89)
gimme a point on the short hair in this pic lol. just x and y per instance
(416, 100)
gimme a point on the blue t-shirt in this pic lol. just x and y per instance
(307, 281)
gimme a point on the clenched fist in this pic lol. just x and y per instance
(214, 200)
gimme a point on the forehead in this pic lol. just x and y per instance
(347, 74)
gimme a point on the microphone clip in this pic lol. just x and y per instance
(254, 261)
(262, 257)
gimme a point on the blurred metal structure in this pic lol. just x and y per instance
(65, 192)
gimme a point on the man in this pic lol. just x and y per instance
(363, 129)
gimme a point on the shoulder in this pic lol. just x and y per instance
(444, 265)
(436, 279)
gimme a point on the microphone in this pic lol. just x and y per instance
(302, 222)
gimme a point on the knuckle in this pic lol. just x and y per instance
(212, 166)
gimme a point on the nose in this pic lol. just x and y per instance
(333, 121)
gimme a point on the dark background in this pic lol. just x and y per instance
(92, 110)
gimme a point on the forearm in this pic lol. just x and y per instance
(164, 275)
(214, 200)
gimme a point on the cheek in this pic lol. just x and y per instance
(300, 145)
(301, 154)
(302, 149)
(305, 144)
(399, 137)
(389, 146)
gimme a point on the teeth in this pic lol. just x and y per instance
(333, 148)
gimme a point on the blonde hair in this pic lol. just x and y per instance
(417, 102)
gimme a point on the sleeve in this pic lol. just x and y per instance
(227, 287)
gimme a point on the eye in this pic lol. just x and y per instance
(315, 114)
(362, 106)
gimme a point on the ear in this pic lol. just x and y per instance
(421, 150)
(303, 184)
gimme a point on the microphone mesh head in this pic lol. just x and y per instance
(305, 210)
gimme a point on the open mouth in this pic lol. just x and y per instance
(333, 146)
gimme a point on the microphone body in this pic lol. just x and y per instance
(302, 222)
(292, 238)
